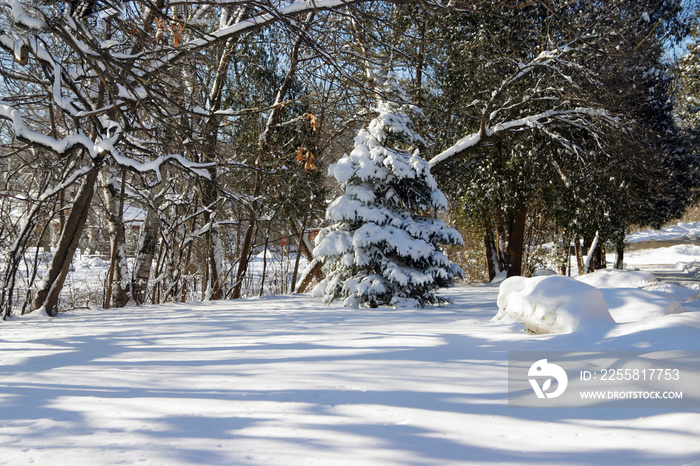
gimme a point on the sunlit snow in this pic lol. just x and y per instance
(290, 380)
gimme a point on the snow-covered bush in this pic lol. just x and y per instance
(382, 247)
(552, 304)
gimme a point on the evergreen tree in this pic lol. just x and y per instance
(612, 160)
(688, 92)
(383, 248)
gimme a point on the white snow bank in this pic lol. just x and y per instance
(681, 293)
(688, 267)
(628, 305)
(680, 253)
(671, 332)
(633, 295)
(615, 278)
(551, 304)
(673, 232)
(289, 380)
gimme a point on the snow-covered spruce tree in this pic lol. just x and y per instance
(383, 248)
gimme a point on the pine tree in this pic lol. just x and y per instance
(688, 92)
(383, 248)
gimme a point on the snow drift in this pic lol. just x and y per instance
(557, 304)
(551, 304)
(615, 278)
(633, 304)
(627, 301)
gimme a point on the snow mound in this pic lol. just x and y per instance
(615, 278)
(683, 294)
(551, 304)
(628, 305)
(667, 333)
(678, 254)
(673, 232)
(688, 267)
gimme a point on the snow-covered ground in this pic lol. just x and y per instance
(687, 231)
(289, 380)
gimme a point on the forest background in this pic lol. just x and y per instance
(178, 140)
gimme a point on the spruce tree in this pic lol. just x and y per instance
(383, 247)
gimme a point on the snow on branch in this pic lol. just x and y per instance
(64, 185)
(199, 169)
(62, 146)
(228, 30)
(96, 149)
(22, 18)
(538, 120)
(255, 22)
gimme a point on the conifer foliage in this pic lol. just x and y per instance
(383, 248)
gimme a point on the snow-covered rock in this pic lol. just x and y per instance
(552, 304)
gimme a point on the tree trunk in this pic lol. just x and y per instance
(599, 258)
(117, 283)
(264, 140)
(590, 265)
(183, 277)
(13, 260)
(314, 269)
(501, 249)
(264, 270)
(306, 248)
(145, 256)
(516, 240)
(300, 242)
(566, 256)
(214, 261)
(491, 254)
(50, 287)
(214, 285)
(579, 255)
(158, 282)
(620, 257)
(247, 245)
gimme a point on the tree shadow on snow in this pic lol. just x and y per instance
(301, 383)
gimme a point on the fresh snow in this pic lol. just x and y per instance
(552, 304)
(633, 305)
(558, 304)
(290, 380)
(676, 254)
(613, 278)
(670, 233)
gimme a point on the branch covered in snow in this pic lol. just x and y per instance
(506, 98)
(532, 121)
